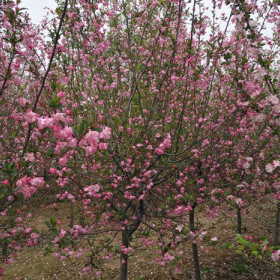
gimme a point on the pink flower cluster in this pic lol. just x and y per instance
(126, 250)
(91, 140)
(92, 189)
(164, 145)
(28, 186)
(162, 260)
(276, 255)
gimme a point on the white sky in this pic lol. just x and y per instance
(37, 11)
(36, 8)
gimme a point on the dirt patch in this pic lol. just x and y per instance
(34, 264)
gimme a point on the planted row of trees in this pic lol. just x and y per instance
(141, 111)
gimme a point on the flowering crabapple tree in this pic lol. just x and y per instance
(26, 61)
(18, 178)
(175, 130)
(231, 165)
(141, 111)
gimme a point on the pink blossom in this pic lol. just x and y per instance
(52, 170)
(99, 272)
(103, 146)
(72, 142)
(250, 238)
(269, 168)
(276, 163)
(126, 250)
(18, 220)
(91, 149)
(24, 181)
(92, 137)
(30, 157)
(179, 228)
(106, 133)
(63, 161)
(239, 202)
(65, 133)
(168, 257)
(22, 101)
(9, 261)
(159, 151)
(31, 117)
(34, 235)
(214, 239)
(27, 230)
(28, 191)
(45, 122)
(60, 94)
(37, 182)
(275, 255)
(92, 189)
(86, 270)
(58, 117)
(180, 210)
(246, 165)
(273, 99)
(62, 233)
(205, 143)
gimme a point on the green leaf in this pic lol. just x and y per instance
(47, 224)
(255, 253)
(97, 129)
(264, 242)
(55, 102)
(48, 249)
(240, 239)
(117, 249)
(227, 56)
(53, 86)
(53, 221)
(240, 249)
(58, 11)
(55, 232)
(50, 152)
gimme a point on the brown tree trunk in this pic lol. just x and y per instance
(194, 247)
(71, 214)
(276, 229)
(239, 229)
(239, 221)
(124, 257)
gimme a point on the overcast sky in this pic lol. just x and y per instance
(37, 11)
(36, 8)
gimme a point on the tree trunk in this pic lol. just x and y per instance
(71, 215)
(124, 257)
(239, 229)
(276, 230)
(194, 247)
(239, 221)
(45, 174)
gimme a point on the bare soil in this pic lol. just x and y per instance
(34, 264)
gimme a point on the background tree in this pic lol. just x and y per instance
(139, 115)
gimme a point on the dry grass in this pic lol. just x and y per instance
(34, 264)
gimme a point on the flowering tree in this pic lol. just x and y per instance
(139, 113)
